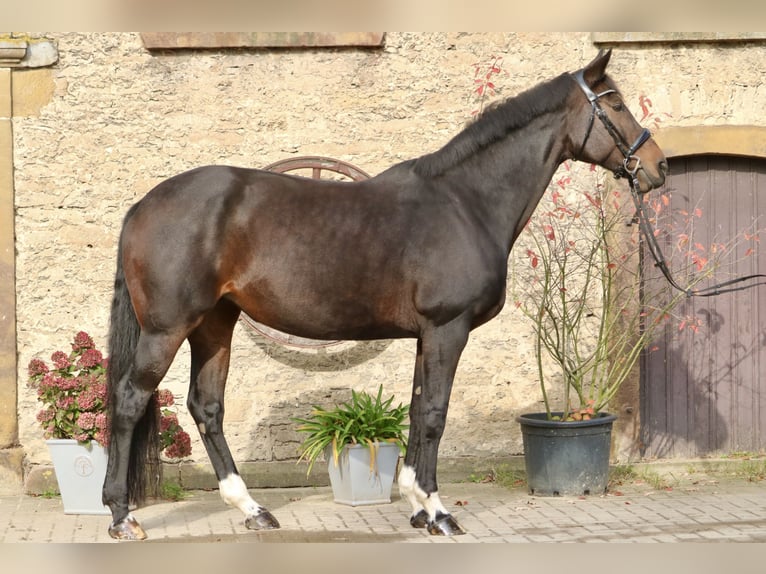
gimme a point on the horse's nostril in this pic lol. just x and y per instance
(663, 165)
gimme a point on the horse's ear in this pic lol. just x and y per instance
(597, 68)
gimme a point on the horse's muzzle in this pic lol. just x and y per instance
(649, 178)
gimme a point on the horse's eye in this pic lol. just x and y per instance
(618, 107)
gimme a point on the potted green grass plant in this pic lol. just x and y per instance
(361, 440)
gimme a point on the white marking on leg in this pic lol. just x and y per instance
(234, 493)
(408, 488)
(434, 506)
(417, 497)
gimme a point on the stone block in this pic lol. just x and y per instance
(31, 90)
(5, 97)
(11, 470)
(41, 479)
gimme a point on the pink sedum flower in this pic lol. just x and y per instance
(180, 447)
(60, 360)
(89, 359)
(87, 421)
(82, 341)
(165, 398)
(37, 367)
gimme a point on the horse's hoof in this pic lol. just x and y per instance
(419, 520)
(264, 520)
(445, 525)
(127, 529)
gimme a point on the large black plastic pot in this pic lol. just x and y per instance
(566, 458)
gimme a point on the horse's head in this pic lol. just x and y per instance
(606, 133)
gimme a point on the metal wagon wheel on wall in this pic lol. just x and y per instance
(306, 166)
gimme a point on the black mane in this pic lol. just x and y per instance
(495, 123)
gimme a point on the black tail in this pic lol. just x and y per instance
(123, 339)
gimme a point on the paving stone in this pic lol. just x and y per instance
(730, 513)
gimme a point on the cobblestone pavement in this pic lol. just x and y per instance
(700, 510)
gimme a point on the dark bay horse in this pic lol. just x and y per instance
(419, 251)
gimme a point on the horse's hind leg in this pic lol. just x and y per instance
(153, 355)
(210, 352)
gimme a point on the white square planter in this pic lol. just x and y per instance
(352, 480)
(80, 471)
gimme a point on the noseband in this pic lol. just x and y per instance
(631, 162)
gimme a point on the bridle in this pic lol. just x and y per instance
(630, 165)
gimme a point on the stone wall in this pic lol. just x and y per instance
(118, 119)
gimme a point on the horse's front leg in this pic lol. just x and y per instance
(439, 350)
(210, 351)
(419, 517)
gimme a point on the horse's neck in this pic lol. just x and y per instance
(511, 176)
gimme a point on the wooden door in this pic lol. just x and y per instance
(705, 392)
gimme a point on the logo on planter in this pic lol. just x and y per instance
(83, 466)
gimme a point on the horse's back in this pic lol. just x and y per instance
(315, 258)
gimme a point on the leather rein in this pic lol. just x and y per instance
(629, 169)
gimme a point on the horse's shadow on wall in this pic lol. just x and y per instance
(708, 394)
(699, 430)
(278, 429)
(310, 355)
